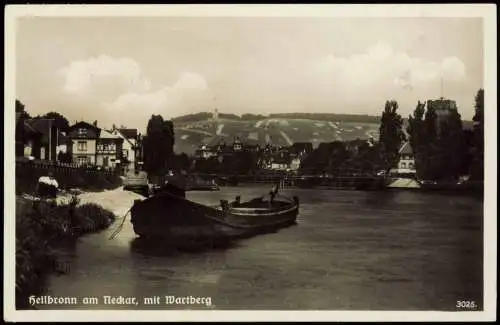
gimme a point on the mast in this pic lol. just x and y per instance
(442, 87)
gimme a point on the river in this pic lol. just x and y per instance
(350, 250)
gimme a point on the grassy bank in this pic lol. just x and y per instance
(42, 227)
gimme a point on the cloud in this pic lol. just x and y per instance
(103, 76)
(381, 67)
(119, 86)
(190, 80)
(184, 92)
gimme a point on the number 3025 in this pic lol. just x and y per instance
(466, 304)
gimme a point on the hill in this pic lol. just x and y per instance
(279, 129)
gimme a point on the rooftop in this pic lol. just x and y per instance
(108, 135)
(406, 149)
(129, 133)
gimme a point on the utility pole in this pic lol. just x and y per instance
(442, 87)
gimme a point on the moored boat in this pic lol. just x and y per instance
(173, 218)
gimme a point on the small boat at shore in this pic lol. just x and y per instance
(173, 218)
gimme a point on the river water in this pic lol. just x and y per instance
(350, 250)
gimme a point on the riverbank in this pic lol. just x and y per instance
(44, 226)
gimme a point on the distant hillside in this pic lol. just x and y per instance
(279, 129)
(253, 117)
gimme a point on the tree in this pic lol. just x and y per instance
(477, 171)
(183, 161)
(64, 157)
(337, 156)
(60, 121)
(21, 108)
(158, 146)
(391, 134)
(19, 128)
(417, 136)
(415, 127)
(452, 145)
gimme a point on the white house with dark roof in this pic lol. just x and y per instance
(406, 163)
(83, 139)
(129, 146)
(109, 149)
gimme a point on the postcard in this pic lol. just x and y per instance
(250, 163)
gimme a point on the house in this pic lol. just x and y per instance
(109, 150)
(295, 164)
(281, 160)
(237, 145)
(83, 138)
(270, 149)
(130, 148)
(28, 139)
(280, 163)
(205, 152)
(47, 138)
(406, 163)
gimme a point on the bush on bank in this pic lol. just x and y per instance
(41, 227)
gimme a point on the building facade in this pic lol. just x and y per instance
(109, 150)
(406, 163)
(83, 139)
(130, 148)
(444, 108)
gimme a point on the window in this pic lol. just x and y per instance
(403, 165)
(82, 145)
(82, 132)
(411, 166)
(125, 153)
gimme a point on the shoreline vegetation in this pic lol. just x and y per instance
(43, 227)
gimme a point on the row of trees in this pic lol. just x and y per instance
(443, 150)
(243, 162)
(343, 158)
(59, 120)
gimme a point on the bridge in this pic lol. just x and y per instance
(340, 180)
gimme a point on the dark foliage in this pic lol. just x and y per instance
(158, 146)
(391, 134)
(41, 227)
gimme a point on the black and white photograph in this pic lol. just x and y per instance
(250, 162)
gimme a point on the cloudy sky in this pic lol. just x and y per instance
(121, 70)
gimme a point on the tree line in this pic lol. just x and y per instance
(443, 149)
